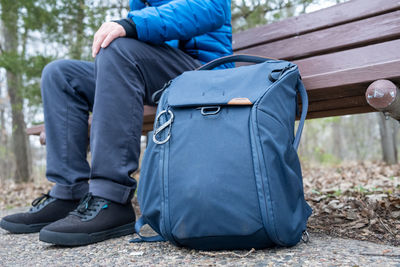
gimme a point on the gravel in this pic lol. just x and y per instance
(322, 250)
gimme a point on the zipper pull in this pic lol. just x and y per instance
(280, 72)
(145, 2)
(155, 97)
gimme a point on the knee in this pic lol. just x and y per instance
(54, 69)
(119, 50)
(53, 74)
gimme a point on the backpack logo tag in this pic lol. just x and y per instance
(240, 101)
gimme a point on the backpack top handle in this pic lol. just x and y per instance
(234, 58)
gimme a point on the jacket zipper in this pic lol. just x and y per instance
(145, 2)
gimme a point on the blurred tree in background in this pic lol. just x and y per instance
(35, 32)
(19, 19)
(252, 13)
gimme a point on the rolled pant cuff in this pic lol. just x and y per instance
(111, 190)
(69, 192)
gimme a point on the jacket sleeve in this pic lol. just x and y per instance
(179, 19)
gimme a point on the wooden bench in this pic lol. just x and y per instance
(340, 51)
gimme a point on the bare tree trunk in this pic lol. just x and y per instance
(121, 7)
(388, 129)
(3, 140)
(77, 46)
(337, 138)
(20, 141)
(20, 144)
(3, 133)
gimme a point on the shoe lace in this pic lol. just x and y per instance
(88, 206)
(41, 201)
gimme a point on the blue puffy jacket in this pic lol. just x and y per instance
(201, 28)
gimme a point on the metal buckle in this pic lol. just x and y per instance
(305, 237)
(166, 124)
(212, 110)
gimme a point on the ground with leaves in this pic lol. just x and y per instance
(358, 200)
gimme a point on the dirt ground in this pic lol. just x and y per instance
(358, 200)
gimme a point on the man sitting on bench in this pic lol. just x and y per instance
(162, 40)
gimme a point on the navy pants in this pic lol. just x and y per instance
(114, 88)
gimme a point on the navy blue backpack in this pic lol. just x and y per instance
(221, 169)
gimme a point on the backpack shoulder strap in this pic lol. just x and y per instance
(138, 226)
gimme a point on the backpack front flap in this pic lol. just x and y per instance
(238, 86)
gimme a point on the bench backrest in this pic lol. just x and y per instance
(340, 50)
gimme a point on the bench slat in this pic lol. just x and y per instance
(350, 59)
(329, 17)
(35, 130)
(148, 113)
(350, 35)
(386, 70)
(148, 118)
(340, 112)
(338, 103)
(337, 92)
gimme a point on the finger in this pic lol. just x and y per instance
(110, 37)
(96, 48)
(117, 31)
(95, 40)
(96, 44)
(99, 32)
(99, 37)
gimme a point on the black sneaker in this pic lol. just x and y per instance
(94, 220)
(44, 210)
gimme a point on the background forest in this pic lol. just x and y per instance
(34, 33)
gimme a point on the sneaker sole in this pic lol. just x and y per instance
(19, 228)
(80, 239)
